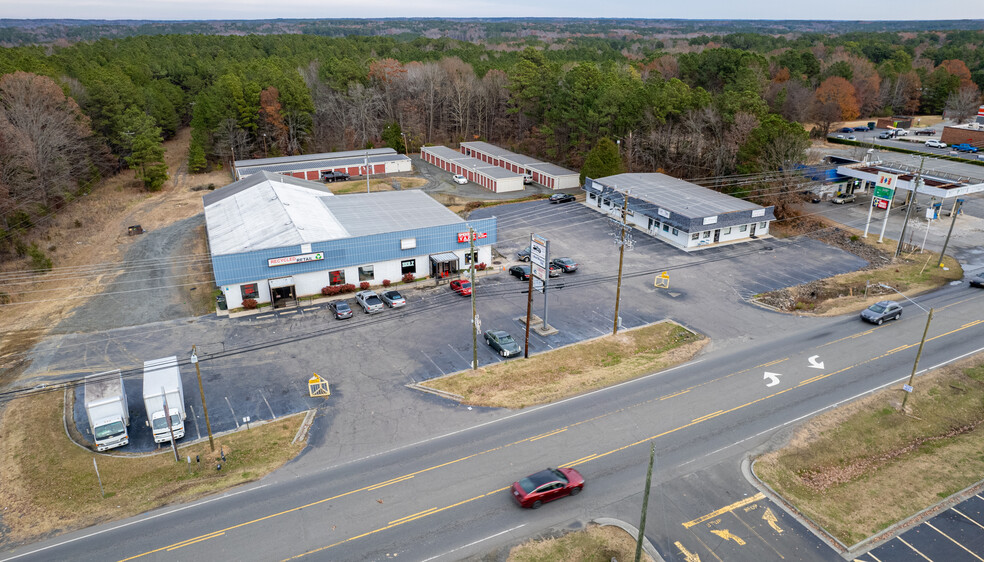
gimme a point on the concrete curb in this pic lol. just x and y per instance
(633, 532)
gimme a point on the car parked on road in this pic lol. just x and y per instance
(933, 143)
(900, 132)
(566, 264)
(842, 198)
(547, 485)
(977, 281)
(964, 147)
(852, 137)
(502, 343)
(459, 179)
(369, 301)
(845, 130)
(882, 311)
(927, 132)
(461, 286)
(554, 270)
(340, 309)
(333, 176)
(562, 198)
(884, 135)
(393, 299)
(524, 254)
(861, 129)
(521, 271)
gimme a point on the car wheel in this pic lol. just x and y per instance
(503, 353)
(897, 316)
(487, 342)
(575, 491)
(536, 504)
(880, 320)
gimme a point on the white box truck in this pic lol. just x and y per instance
(105, 405)
(162, 383)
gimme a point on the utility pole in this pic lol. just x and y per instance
(471, 258)
(953, 221)
(201, 391)
(645, 502)
(912, 203)
(916, 364)
(621, 257)
(367, 170)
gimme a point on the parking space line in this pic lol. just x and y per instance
(435, 364)
(234, 418)
(873, 556)
(272, 415)
(264, 316)
(914, 549)
(967, 518)
(951, 539)
(459, 355)
(195, 417)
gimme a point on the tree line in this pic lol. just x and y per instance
(698, 107)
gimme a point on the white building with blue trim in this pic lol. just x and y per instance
(274, 238)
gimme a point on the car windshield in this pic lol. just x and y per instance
(109, 430)
(565, 261)
(534, 481)
(504, 339)
(466, 284)
(877, 308)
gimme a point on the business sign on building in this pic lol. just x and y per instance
(463, 236)
(290, 260)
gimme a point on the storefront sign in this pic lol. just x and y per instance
(463, 236)
(289, 260)
(881, 203)
(663, 212)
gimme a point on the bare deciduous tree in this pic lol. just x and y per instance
(963, 104)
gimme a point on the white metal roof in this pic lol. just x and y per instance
(376, 213)
(552, 169)
(307, 157)
(679, 196)
(488, 148)
(444, 152)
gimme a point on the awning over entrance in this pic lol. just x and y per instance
(281, 282)
(444, 257)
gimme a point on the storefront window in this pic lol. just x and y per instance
(743, 228)
(675, 232)
(762, 225)
(726, 231)
(695, 236)
(336, 277)
(707, 234)
(408, 266)
(365, 273)
(470, 257)
(666, 228)
(250, 291)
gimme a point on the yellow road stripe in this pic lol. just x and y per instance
(187, 543)
(675, 395)
(388, 482)
(545, 435)
(771, 363)
(414, 516)
(930, 525)
(708, 416)
(725, 509)
(578, 461)
(914, 549)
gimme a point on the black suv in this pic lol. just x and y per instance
(333, 176)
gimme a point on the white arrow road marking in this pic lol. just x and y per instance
(814, 364)
(773, 376)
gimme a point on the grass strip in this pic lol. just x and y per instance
(594, 544)
(575, 369)
(48, 484)
(865, 466)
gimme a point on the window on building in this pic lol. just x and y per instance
(675, 232)
(726, 230)
(250, 291)
(469, 257)
(763, 225)
(336, 277)
(695, 236)
(666, 228)
(591, 196)
(408, 266)
(365, 273)
(706, 234)
(743, 228)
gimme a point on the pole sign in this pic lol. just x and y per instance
(885, 188)
(539, 247)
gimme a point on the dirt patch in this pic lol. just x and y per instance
(591, 544)
(910, 273)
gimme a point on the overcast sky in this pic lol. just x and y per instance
(702, 9)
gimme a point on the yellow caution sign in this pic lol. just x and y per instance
(318, 386)
(662, 281)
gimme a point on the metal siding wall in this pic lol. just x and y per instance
(363, 250)
(312, 175)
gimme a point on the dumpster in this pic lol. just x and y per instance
(871, 125)
(220, 302)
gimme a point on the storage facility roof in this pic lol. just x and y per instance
(676, 195)
(308, 157)
(552, 169)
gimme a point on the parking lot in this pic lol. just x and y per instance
(956, 534)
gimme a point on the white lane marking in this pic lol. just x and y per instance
(472, 543)
(124, 525)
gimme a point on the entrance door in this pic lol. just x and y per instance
(283, 297)
(717, 235)
(752, 232)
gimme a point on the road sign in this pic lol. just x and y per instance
(906, 388)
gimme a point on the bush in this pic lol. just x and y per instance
(347, 288)
(39, 261)
(481, 266)
(364, 285)
(249, 304)
(408, 278)
(331, 290)
(387, 282)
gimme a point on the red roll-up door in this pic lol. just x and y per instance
(312, 174)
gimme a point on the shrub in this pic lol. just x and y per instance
(364, 285)
(408, 278)
(481, 266)
(387, 283)
(347, 288)
(249, 304)
(331, 290)
(39, 261)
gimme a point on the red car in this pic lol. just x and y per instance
(547, 485)
(461, 287)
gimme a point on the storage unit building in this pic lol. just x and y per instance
(684, 214)
(311, 166)
(543, 173)
(479, 171)
(274, 238)
(554, 177)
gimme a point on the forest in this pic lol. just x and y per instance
(705, 106)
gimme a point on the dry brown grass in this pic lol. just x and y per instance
(593, 544)
(575, 369)
(860, 468)
(48, 484)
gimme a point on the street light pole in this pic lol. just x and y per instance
(201, 390)
(475, 328)
(621, 257)
(953, 221)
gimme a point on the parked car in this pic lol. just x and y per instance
(521, 271)
(554, 270)
(460, 179)
(566, 264)
(562, 198)
(882, 311)
(933, 143)
(524, 254)
(393, 299)
(502, 342)
(964, 147)
(340, 309)
(462, 287)
(861, 129)
(369, 301)
(977, 281)
(333, 176)
(845, 130)
(547, 485)
(840, 136)
(901, 132)
(884, 135)
(927, 132)
(842, 198)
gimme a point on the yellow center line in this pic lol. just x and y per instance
(389, 482)
(581, 460)
(414, 516)
(771, 363)
(675, 395)
(187, 543)
(594, 457)
(549, 434)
